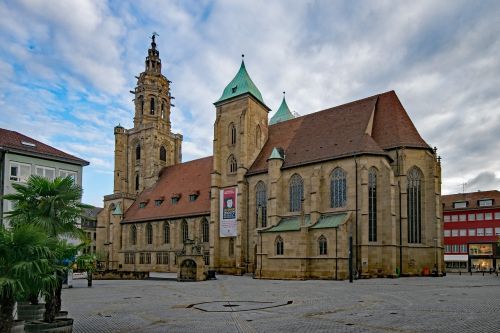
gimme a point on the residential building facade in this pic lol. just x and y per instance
(22, 156)
(279, 199)
(472, 231)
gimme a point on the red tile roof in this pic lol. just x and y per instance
(184, 179)
(20, 143)
(342, 131)
(472, 199)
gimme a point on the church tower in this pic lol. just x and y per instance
(142, 151)
(240, 131)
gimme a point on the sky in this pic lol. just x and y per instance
(66, 69)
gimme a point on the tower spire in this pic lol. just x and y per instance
(153, 61)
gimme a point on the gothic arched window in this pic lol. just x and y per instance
(232, 133)
(133, 235)
(372, 205)
(149, 234)
(138, 152)
(141, 101)
(166, 233)
(322, 243)
(137, 182)
(258, 136)
(414, 191)
(261, 203)
(338, 188)
(279, 245)
(232, 164)
(163, 109)
(163, 154)
(296, 193)
(205, 232)
(152, 104)
(185, 231)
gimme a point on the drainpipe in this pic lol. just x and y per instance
(336, 252)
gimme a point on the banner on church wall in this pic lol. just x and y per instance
(228, 212)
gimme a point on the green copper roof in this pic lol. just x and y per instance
(289, 224)
(330, 221)
(283, 113)
(275, 154)
(241, 84)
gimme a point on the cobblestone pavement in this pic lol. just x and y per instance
(241, 304)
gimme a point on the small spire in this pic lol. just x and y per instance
(153, 43)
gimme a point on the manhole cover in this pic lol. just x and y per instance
(236, 306)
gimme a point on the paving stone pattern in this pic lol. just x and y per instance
(422, 304)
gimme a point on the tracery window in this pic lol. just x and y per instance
(322, 243)
(279, 245)
(137, 182)
(163, 110)
(163, 154)
(233, 165)
(185, 231)
(338, 188)
(149, 234)
(133, 235)
(372, 205)
(205, 231)
(296, 193)
(152, 104)
(138, 152)
(261, 204)
(414, 195)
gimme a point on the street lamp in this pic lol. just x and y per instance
(436, 256)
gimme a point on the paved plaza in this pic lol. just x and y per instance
(455, 303)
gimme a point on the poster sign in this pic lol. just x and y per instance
(228, 212)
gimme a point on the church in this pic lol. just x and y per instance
(281, 198)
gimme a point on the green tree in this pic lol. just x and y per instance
(56, 207)
(26, 263)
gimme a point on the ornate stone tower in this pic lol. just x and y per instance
(140, 152)
(240, 131)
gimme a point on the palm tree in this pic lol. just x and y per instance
(56, 207)
(26, 258)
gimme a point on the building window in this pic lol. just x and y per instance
(472, 217)
(463, 248)
(460, 204)
(472, 232)
(261, 204)
(462, 217)
(193, 197)
(497, 215)
(130, 258)
(162, 258)
(338, 188)
(49, 173)
(279, 246)
(148, 258)
(231, 247)
(447, 218)
(232, 133)
(488, 216)
(455, 248)
(133, 235)
(158, 202)
(205, 231)
(480, 231)
(175, 199)
(323, 250)
(463, 232)
(454, 218)
(485, 203)
(138, 152)
(141, 258)
(454, 233)
(20, 172)
(67, 173)
(142, 204)
(488, 231)
(372, 205)
(414, 206)
(163, 110)
(206, 258)
(480, 217)
(185, 231)
(166, 233)
(447, 249)
(233, 165)
(163, 154)
(137, 182)
(149, 234)
(447, 233)
(296, 193)
(497, 231)
(152, 104)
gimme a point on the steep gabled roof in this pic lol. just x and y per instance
(22, 144)
(366, 126)
(239, 85)
(180, 180)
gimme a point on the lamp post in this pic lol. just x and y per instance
(436, 256)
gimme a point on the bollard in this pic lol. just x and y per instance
(459, 272)
(483, 273)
